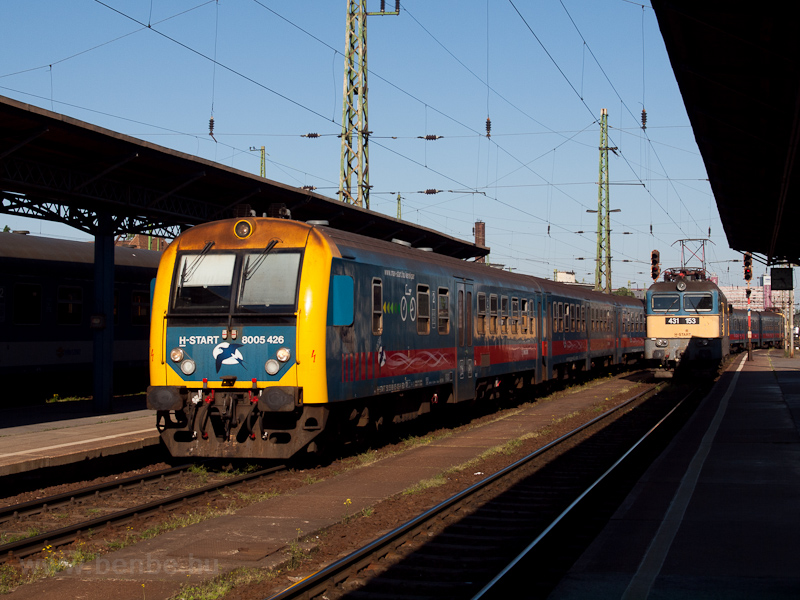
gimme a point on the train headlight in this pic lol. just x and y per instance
(283, 354)
(188, 366)
(176, 354)
(704, 342)
(661, 343)
(272, 366)
(681, 286)
(243, 229)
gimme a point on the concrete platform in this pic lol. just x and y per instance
(258, 535)
(48, 435)
(718, 515)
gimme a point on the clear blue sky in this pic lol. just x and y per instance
(542, 71)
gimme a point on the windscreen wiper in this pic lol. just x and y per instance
(250, 270)
(189, 270)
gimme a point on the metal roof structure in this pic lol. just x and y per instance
(61, 169)
(737, 68)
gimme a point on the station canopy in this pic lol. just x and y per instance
(61, 169)
(738, 71)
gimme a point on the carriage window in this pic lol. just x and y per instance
(573, 318)
(698, 302)
(481, 318)
(666, 302)
(423, 310)
(524, 316)
(493, 313)
(27, 304)
(514, 315)
(444, 311)
(504, 314)
(140, 308)
(70, 305)
(377, 306)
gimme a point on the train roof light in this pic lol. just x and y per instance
(243, 229)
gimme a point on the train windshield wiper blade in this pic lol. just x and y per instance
(189, 270)
(250, 270)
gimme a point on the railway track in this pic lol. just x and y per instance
(458, 547)
(106, 494)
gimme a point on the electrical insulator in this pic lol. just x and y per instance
(644, 119)
(211, 127)
(548, 230)
(431, 137)
(488, 127)
(311, 135)
(651, 230)
(431, 191)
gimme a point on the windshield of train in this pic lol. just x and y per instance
(204, 282)
(698, 302)
(666, 302)
(269, 282)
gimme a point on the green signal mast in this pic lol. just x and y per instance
(354, 172)
(602, 273)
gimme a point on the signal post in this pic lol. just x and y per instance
(748, 275)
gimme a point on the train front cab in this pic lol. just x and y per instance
(237, 364)
(686, 325)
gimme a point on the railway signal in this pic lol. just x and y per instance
(655, 264)
(748, 266)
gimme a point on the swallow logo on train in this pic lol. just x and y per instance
(227, 354)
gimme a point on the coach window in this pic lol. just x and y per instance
(480, 323)
(140, 308)
(515, 315)
(70, 305)
(573, 317)
(423, 310)
(567, 315)
(377, 306)
(504, 314)
(444, 310)
(524, 316)
(27, 304)
(698, 302)
(583, 317)
(493, 314)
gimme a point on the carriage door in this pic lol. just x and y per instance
(465, 353)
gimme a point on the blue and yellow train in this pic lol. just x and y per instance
(690, 323)
(268, 335)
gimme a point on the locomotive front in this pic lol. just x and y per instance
(237, 341)
(686, 323)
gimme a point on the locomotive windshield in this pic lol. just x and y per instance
(666, 302)
(698, 302)
(204, 282)
(269, 281)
